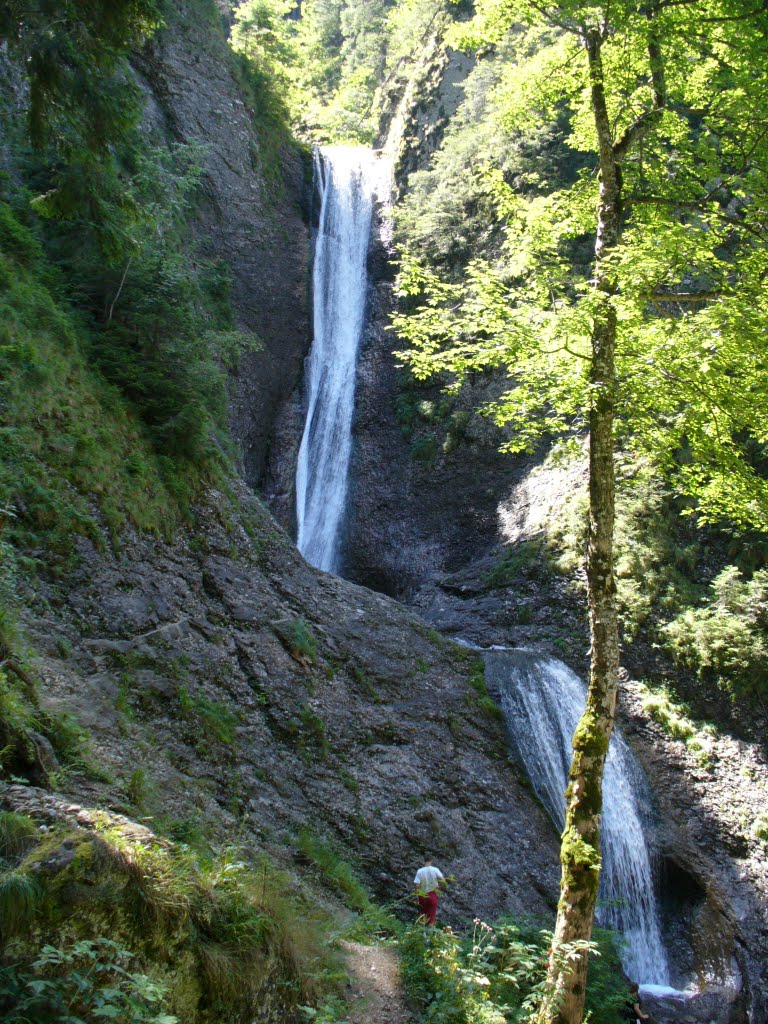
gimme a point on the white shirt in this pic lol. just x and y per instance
(428, 878)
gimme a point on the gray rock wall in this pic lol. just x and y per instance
(248, 216)
(258, 695)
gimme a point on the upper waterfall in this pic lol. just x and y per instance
(348, 179)
(542, 701)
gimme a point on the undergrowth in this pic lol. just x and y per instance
(66, 435)
(675, 719)
(225, 938)
(23, 722)
(81, 982)
(371, 919)
(495, 975)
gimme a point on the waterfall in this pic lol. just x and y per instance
(542, 700)
(348, 179)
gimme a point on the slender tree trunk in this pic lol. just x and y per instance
(580, 849)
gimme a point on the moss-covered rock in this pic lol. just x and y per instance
(218, 934)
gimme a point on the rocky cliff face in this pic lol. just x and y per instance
(715, 870)
(258, 695)
(251, 213)
(439, 518)
(252, 693)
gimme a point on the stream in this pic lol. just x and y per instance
(541, 698)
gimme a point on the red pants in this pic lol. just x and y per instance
(428, 907)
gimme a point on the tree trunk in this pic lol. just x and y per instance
(580, 849)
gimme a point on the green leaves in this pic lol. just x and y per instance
(90, 979)
(497, 973)
(727, 639)
(689, 266)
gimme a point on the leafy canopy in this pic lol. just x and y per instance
(688, 270)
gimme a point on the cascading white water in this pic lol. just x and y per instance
(347, 178)
(542, 701)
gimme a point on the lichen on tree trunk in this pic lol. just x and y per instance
(580, 849)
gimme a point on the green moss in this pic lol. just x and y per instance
(223, 933)
(589, 738)
(575, 850)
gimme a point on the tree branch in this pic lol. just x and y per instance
(687, 298)
(635, 130)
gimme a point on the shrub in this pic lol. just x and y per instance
(727, 639)
(496, 974)
(242, 927)
(87, 980)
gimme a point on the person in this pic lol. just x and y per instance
(635, 1015)
(427, 881)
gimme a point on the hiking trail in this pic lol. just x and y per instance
(376, 996)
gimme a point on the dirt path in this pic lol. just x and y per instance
(376, 996)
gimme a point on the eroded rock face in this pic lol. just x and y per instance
(256, 693)
(251, 213)
(716, 872)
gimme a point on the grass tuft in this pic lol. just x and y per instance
(18, 834)
(19, 899)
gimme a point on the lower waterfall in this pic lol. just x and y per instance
(542, 700)
(348, 178)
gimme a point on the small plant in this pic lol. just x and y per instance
(303, 646)
(364, 682)
(91, 979)
(349, 781)
(331, 1011)
(313, 733)
(425, 449)
(760, 828)
(64, 647)
(137, 788)
(215, 717)
(188, 831)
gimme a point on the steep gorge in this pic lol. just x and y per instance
(216, 687)
(258, 696)
(434, 526)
